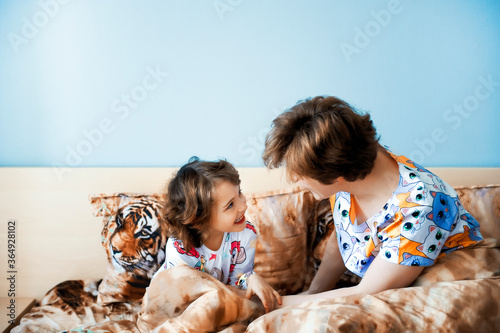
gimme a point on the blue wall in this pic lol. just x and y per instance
(87, 83)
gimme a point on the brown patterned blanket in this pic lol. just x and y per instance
(205, 305)
(460, 293)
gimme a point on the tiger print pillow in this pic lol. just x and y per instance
(134, 241)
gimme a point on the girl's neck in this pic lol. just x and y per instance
(213, 240)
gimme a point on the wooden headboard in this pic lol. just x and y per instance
(57, 237)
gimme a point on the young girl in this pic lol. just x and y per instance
(392, 216)
(205, 213)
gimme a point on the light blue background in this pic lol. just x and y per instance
(232, 66)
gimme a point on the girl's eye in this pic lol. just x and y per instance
(230, 205)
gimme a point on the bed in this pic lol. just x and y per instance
(106, 287)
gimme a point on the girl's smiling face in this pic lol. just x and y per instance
(228, 213)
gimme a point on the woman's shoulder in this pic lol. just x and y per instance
(411, 177)
(419, 189)
(412, 174)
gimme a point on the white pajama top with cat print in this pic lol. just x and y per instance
(423, 220)
(231, 264)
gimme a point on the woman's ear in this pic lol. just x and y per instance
(340, 180)
(293, 178)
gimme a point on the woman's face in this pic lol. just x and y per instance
(319, 190)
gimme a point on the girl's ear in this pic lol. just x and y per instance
(340, 180)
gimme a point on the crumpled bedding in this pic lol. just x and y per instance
(460, 293)
(72, 305)
(183, 299)
(461, 306)
(180, 299)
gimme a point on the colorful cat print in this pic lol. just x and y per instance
(421, 222)
(232, 261)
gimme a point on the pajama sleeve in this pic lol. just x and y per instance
(175, 254)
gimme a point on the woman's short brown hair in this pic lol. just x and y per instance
(189, 198)
(322, 138)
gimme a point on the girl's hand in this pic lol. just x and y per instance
(256, 285)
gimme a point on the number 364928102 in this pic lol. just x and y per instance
(11, 247)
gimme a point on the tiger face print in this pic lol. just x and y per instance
(137, 245)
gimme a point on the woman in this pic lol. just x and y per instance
(392, 217)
